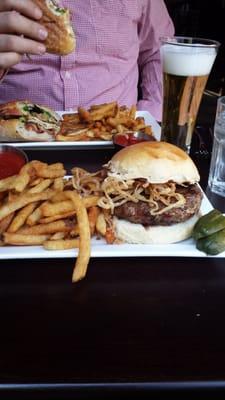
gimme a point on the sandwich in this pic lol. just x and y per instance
(61, 38)
(25, 121)
(151, 192)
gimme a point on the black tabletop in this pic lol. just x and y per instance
(133, 327)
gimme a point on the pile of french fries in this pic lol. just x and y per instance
(39, 206)
(101, 122)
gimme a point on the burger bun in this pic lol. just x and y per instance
(157, 162)
(136, 233)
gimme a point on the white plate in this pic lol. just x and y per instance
(149, 120)
(99, 248)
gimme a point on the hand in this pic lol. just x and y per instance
(19, 32)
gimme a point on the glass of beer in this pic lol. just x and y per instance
(186, 64)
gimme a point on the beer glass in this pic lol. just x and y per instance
(186, 64)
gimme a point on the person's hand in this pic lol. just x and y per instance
(19, 32)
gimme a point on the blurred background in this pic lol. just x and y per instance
(204, 19)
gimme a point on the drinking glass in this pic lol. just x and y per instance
(186, 64)
(217, 165)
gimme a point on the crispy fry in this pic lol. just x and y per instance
(24, 240)
(35, 216)
(58, 184)
(84, 253)
(22, 181)
(5, 222)
(22, 200)
(64, 225)
(7, 183)
(93, 214)
(63, 244)
(73, 117)
(35, 182)
(41, 186)
(21, 217)
(49, 209)
(58, 236)
(84, 114)
(59, 196)
(101, 224)
(49, 172)
(78, 137)
(56, 217)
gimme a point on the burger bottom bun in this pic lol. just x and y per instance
(139, 234)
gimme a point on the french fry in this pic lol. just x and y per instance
(50, 209)
(58, 236)
(59, 196)
(21, 217)
(22, 181)
(51, 173)
(63, 244)
(65, 225)
(73, 117)
(24, 240)
(93, 214)
(58, 184)
(5, 222)
(101, 224)
(35, 216)
(56, 217)
(7, 183)
(41, 186)
(22, 200)
(35, 182)
(84, 114)
(84, 252)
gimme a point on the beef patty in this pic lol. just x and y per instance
(139, 213)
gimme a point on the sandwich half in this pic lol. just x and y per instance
(61, 38)
(25, 121)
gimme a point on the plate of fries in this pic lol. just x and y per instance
(95, 127)
(45, 214)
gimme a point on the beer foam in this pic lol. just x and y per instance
(186, 60)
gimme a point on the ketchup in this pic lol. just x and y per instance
(124, 139)
(10, 162)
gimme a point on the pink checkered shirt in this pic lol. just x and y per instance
(115, 40)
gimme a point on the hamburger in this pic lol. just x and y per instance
(56, 19)
(151, 193)
(26, 121)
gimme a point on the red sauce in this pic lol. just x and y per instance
(10, 163)
(127, 139)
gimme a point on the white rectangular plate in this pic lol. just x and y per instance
(99, 248)
(149, 120)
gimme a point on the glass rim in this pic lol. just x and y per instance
(7, 147)
(190, 41)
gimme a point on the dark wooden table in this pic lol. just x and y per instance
(134, 328)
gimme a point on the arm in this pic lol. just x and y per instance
(155, 24)
(19, 32)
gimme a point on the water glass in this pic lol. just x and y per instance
(217, 166)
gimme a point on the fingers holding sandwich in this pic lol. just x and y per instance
(61, 38)
(27, 8)
(20, 31)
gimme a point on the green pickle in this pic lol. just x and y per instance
(208, 224)
(212, 244)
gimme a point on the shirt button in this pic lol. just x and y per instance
(68, 75)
